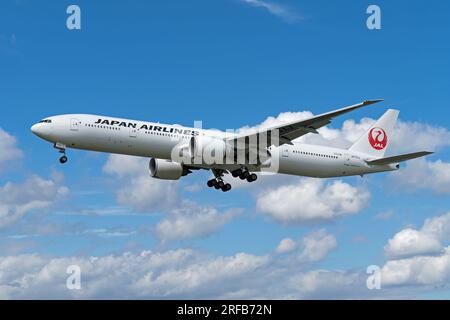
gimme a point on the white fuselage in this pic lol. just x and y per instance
(149, 139)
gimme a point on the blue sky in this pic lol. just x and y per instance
(229, 63)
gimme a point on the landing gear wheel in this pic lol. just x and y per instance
(236, 173)
(218, 182)
(244, 175)
(252, 177)
(226, 187)
(63, 159)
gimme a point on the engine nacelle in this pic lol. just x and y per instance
(166, 169)
(210, 150)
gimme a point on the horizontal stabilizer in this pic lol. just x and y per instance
(400, 158)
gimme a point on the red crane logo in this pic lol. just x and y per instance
(378, 138)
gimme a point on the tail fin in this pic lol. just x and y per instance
(377, 139)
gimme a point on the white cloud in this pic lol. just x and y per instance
(8, 147)
(325, 284)
(191, 220)
(145, 194)
(317, 245)
(36, 193)
(138, 189)
(438, 226)
(271, 121)
(384, 215)
(424, 260)
(126, 166)
(144, 275)
(190, 274)
(311, 200)
(422, 174)
(415, 136)
(313, 247)
(278, 10)
(410, 242)
(184, 219)
(221, 273)
(418, 270)
(286, 245)
(426, 241)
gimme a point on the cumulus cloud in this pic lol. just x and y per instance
(414, 136)
(126, 166)
(271, 121)
(426, 241)
(278, 10)
(438, 226)
(187, 274)
(419, 270)
(201, 278)
(191, 220)
(145, 275)
(8, 147)
(409, 242)
(286, 245)
(317, 245)
(173, 274)
(190, 274)
(313, 247)
(139, 190)
(422, 174)
(325, 284)
(183, 220)
(36, 193)
(312, 200)
(145, 194)
(418, 257)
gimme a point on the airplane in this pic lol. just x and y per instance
(175, 151)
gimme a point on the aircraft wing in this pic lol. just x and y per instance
(400, 158)
(293, 130)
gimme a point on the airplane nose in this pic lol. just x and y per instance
(34, 129)
(42, 130)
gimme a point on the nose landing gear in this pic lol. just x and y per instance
(62, 149)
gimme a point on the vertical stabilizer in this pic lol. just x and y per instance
(376, 140)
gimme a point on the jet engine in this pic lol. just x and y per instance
(166, 169)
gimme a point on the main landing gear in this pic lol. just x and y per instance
(218, 182)
(244, 174)
(62, 149)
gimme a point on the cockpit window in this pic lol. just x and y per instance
(45, 121)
